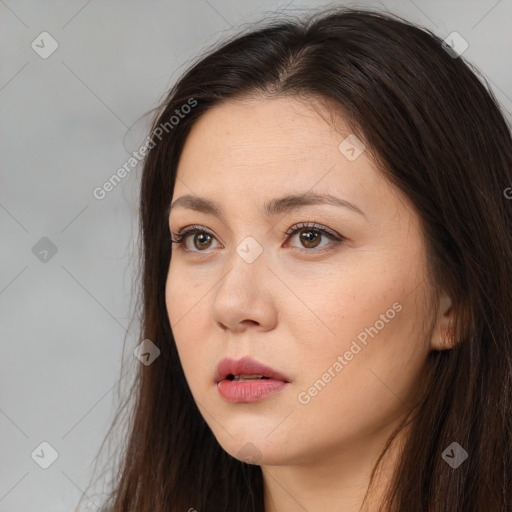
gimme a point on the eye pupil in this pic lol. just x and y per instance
(202, 236)
(306, 237)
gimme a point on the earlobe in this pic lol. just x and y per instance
(443, 337)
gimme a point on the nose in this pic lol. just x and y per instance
(243, 298)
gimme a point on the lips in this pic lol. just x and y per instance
(244, 369)
(246, 381)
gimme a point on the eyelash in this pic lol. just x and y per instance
(179, 238)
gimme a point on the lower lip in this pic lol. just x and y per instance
(248, 391)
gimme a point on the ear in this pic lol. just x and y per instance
(443, 337)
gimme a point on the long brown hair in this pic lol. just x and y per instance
(436, 131)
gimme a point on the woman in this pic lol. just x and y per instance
(327, 259)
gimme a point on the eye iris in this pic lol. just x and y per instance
(197, 236)
(306, 238)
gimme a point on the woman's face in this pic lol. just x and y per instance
(341, 322)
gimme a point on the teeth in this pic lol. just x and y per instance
(249, 377)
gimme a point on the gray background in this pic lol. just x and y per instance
(67, 123)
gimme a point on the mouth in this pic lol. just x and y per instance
(246, 369)
(246, 377)
(246, 380)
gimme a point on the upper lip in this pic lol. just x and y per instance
(246, 366)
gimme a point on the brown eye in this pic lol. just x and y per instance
(310, 238)
(203, 240)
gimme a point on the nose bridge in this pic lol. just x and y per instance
(250, 250)
(247, 264)
(243, 293)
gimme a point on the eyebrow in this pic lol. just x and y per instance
(273, 207)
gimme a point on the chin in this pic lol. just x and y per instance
(254, 448)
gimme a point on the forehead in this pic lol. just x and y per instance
(268, 144)
(263, 130)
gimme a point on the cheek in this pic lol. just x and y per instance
(188, 312)
(178, 299)
(373, 320)
(336, 302)
(186, 295)
(355, 387)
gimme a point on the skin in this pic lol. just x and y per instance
(296, 308)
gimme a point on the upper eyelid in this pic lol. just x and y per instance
(190, 229)
(314, 226)
(294, 227)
